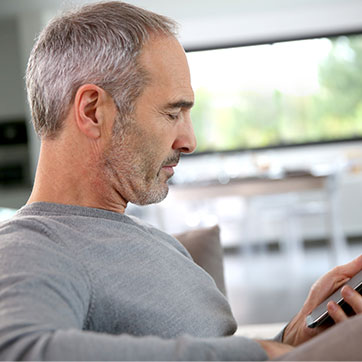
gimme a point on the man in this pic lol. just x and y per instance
(109, 88)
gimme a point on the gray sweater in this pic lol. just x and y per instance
(80, 283)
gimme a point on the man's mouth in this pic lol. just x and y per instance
(169, 165)
(169, 169)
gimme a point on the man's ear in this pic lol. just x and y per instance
(90, 106)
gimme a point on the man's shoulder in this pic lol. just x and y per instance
(28, 245)
(20, 225)
(26, 231)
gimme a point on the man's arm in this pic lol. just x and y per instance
(76, 345)
(45, 303)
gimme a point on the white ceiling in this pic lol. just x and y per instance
(215, 8)
(175, 8)
(216, 22)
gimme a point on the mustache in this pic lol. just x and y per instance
(171, 160)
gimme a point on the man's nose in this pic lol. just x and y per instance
(186, 140)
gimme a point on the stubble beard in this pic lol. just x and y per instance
(133, 169)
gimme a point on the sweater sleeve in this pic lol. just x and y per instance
(44, 305)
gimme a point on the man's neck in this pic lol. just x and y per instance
(65, 178)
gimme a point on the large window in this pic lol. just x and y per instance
(286, 93)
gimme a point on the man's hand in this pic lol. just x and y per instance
(297, 331)
(351, 297)
(274, 349)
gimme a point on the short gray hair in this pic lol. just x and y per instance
(98, 44)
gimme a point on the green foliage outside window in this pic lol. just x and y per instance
(253, 119)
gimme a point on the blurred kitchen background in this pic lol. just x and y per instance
(278, 118)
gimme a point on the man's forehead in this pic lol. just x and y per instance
(165, 62)
(164, 56)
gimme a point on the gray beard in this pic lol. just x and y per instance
(137, 187)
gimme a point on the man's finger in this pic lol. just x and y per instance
(336, 312)
(351, 268)
(338, 276)
(353, 298)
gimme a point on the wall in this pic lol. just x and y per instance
(12, 89)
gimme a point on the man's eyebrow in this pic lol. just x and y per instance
(180, 104)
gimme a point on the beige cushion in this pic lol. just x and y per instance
(206, 250)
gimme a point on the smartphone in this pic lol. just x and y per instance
(320, 314)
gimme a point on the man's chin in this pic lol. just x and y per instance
(152, 196)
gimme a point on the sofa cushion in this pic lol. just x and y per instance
(205, 248)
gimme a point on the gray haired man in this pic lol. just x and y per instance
(110, 94)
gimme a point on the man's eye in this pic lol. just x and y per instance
(172, 116)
